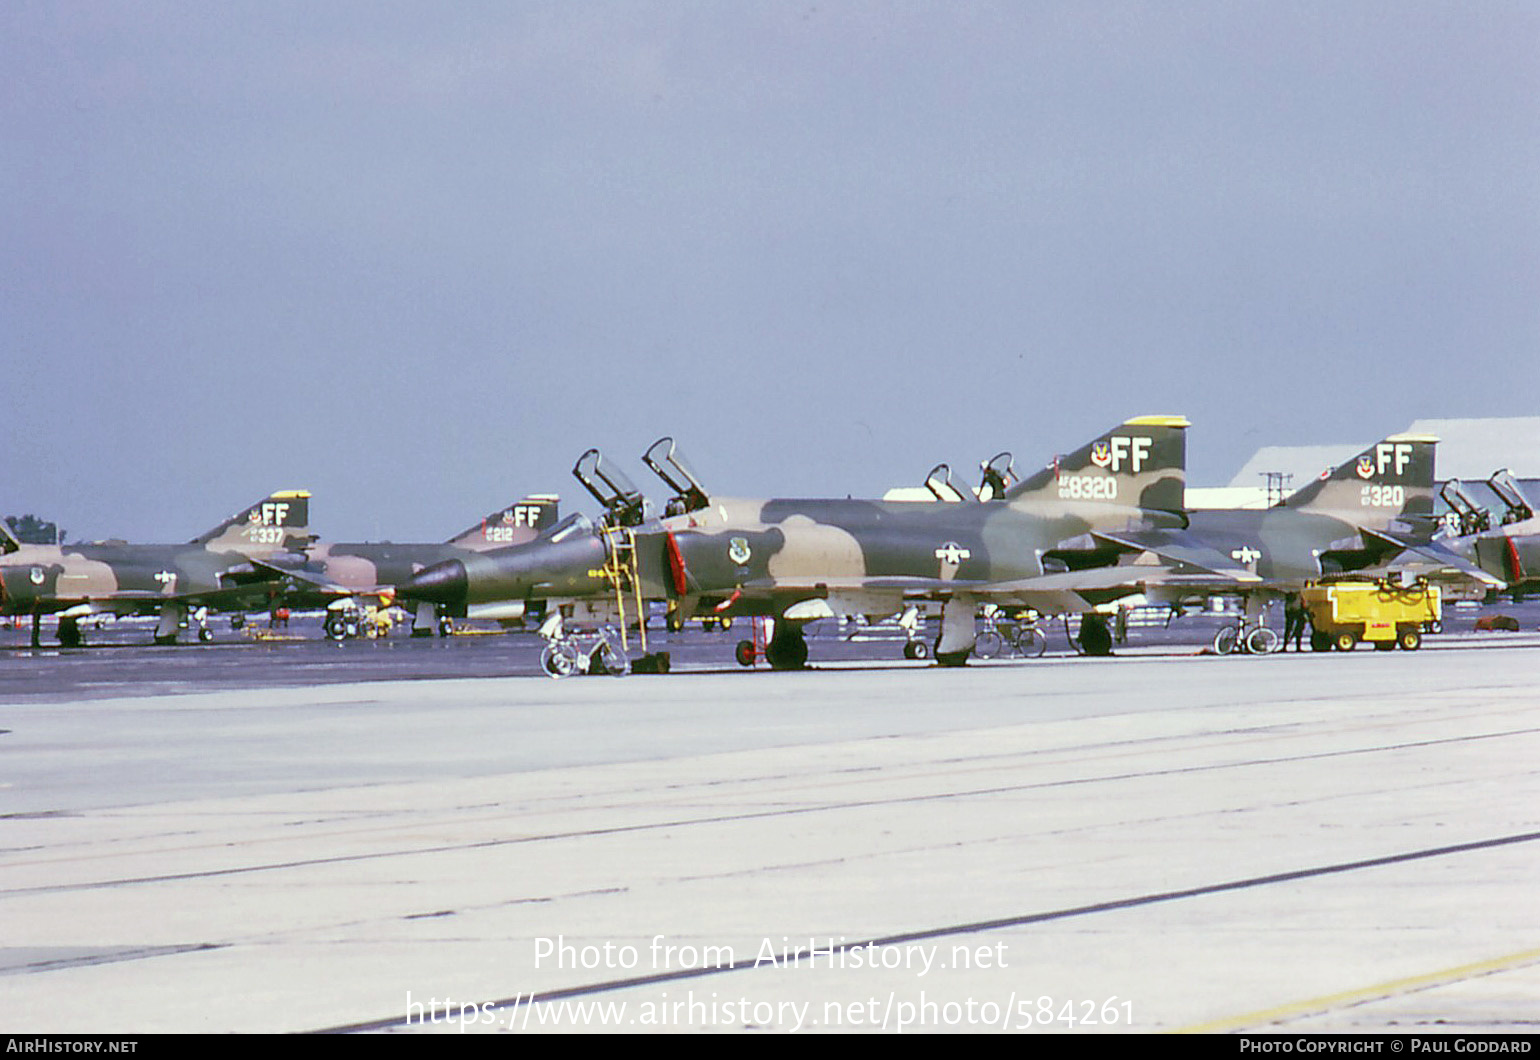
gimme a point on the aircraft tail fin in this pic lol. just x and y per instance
(280, 520)
(514, 524)
(1139, 463)
(1390, 480)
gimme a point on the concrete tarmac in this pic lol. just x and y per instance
(1152, 842)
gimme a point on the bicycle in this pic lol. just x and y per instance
(1017, 638)
(564, 655)
(1241, 639)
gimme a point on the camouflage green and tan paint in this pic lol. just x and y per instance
(328, 571)
(779, 557)
(214, 570)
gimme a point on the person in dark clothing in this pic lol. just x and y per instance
(1294, 616)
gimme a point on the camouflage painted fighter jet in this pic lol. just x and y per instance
(1372, 515)
(329, 574)
(217, 570)
(801, 560)
(1509, 551)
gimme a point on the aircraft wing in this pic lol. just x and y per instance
(1184, 553)
(1049, 593)
(1434, 560)
(262, 571)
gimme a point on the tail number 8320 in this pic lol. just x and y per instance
(1088, 487)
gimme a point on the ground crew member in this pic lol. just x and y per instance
(1294, 615)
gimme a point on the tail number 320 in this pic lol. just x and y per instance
(1382, 497)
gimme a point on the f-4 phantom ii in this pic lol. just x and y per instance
(327, 574)
(1372, 515)
(801, 560)
(215, 570)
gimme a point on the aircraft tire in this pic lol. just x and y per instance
(69, 633)
(1095, 637)
(952, 658)
(789, 653)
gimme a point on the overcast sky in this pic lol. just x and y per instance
(417, 257)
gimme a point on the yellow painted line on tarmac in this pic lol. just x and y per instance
(1369, 993)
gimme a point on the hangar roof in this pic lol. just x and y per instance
(1467, 449)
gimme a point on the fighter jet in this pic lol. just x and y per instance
(213, 571)
(329, 574)
(800, 560)
(1509, 551)
(1371, 515)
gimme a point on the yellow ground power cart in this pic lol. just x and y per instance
(1384, 613)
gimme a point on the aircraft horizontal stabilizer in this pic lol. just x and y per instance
(1183, 552)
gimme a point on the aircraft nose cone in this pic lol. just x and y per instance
(442, 583)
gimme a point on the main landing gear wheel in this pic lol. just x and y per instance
(69, 633)
(1095, 637)
(787, 653)
(952, 658)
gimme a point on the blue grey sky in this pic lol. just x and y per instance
(416, 257)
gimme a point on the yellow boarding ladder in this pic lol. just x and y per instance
(621, 569)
